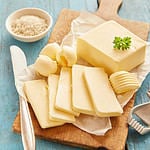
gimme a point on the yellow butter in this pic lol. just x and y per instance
(45, 65)
(81, 100)
(123, 81)
(53, 112)
(50, 50)
(96, 47)
(101, 92)
(37, 94)
(67, 56)
(64, 92)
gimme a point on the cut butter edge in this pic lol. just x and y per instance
(81, 100)
(55, 114)
(64, 92)
(103, 97)
(37, 94)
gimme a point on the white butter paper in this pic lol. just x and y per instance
(93, 125)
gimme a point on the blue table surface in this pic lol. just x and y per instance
(135, 10)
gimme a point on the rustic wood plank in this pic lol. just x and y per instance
(69, 134)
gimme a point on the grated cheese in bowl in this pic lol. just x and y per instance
(29, 24)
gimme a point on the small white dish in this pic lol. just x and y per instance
(28, 11)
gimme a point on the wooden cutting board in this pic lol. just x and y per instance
(69, 134)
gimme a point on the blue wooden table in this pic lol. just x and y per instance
(135, 9)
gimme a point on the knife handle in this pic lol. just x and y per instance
(27, 131)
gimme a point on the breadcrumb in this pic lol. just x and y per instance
(29, 25)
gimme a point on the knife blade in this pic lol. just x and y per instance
(19, 63)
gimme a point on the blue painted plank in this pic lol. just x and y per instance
(91, 5)
(57, 5)
(136, 10)
(77, 5)
(136, 141)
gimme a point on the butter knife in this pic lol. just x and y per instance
(19, 64)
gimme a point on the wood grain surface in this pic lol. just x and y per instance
(114, 139)
(68, 133)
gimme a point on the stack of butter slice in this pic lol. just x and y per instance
(56, 114)
(123, 81)
(81, 100)
(37, 94)
(76, 90)
(92, 93)
(102, 95)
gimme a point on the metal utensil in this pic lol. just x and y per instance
(19, 64)
(142, 111)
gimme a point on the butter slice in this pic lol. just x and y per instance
(37, 94)
(102, 94)
(64, 92)
(96, 47)
(81, 100)
(55, 114)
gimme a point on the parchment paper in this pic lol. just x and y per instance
(79, 26)
(91, 124)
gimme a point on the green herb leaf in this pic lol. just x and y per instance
(122, 43)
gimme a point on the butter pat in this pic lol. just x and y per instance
(45, 65)
(64, 92)
(81, 100)
(55, 114)
(37, 94)
(123, 81)
(101, 92)
(50, 50)
(96, 47)
(67, 56)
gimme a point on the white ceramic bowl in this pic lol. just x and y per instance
(28, 11)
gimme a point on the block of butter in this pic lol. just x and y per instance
(37, 94)
(64, 92)
(81, 100)
(55, 114)
(96, 47)
(101, 92)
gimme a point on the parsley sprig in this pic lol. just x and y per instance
(122, 43)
